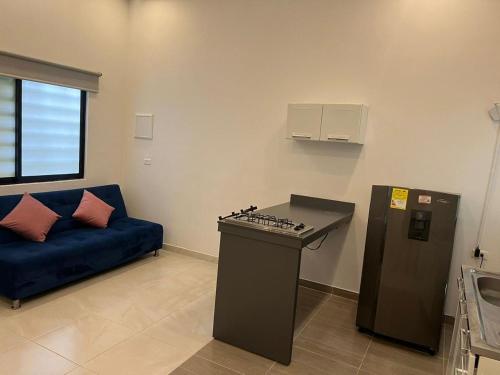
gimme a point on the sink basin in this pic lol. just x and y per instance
(489, 289)
(486, 286)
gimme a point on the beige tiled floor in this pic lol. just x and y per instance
(326, 342)
(155, 316)
(144, 318)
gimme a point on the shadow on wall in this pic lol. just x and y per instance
(309, 166)
(322, 265)
(340, 158)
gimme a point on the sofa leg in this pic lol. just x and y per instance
(16, 304)
(157, 252)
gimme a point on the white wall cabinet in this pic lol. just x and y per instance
(304, 121)
(344, 123)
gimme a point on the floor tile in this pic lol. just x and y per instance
(98, 319)
(181, 371)
(140, 354)
(338, 312)
(9, 339)
(234, 358)
(308, 301)
(182, 268)
(152, 295)
(45, 318)
(188, 327)
(30, 358)
(387, 358)
(85, 338)
(200, 366)
(344, 345)
(81, 371)
(308, 363)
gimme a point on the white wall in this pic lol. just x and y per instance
(218, 75)
(90, 34)
(491, 233)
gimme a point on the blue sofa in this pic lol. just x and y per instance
(72, 250)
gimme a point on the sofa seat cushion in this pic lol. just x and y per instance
(72, 254)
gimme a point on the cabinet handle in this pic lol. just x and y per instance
(295, 135)
(464, 347)
(341, 138)
(461, 371)
(461, 288)
(463, 307)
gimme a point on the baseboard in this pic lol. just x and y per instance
(447, 319)
(191, 253)
(329, 289)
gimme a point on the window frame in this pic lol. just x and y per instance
(18, 178)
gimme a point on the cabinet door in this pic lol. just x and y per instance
(488, 366)
(342, 123)
(304, 121)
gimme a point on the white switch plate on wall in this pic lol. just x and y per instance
(144, 125)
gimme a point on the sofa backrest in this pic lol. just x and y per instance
(63, 202)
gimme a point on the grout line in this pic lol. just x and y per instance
(185, 369)
(364, 356)
(59, 355)
(324, 356)
(316, 290)
(318, 309)
(217, 363)
(135, 334)
(270, 368)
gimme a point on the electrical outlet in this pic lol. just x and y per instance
(147, 161)
(476, 252)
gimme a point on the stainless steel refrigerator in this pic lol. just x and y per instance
(409, 244)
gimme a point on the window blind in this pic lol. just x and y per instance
(50, 129)
(22, 67)
(7, 127)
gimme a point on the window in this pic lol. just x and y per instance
(42, 131)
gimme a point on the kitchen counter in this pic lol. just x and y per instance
(324, 215)
(259, 268)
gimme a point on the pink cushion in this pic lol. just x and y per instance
(93, 211)
(30, 219)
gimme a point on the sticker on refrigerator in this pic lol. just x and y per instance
(424, 199)
(399, 198)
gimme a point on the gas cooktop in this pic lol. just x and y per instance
(268, 223)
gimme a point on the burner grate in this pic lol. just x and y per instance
(267, 220)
